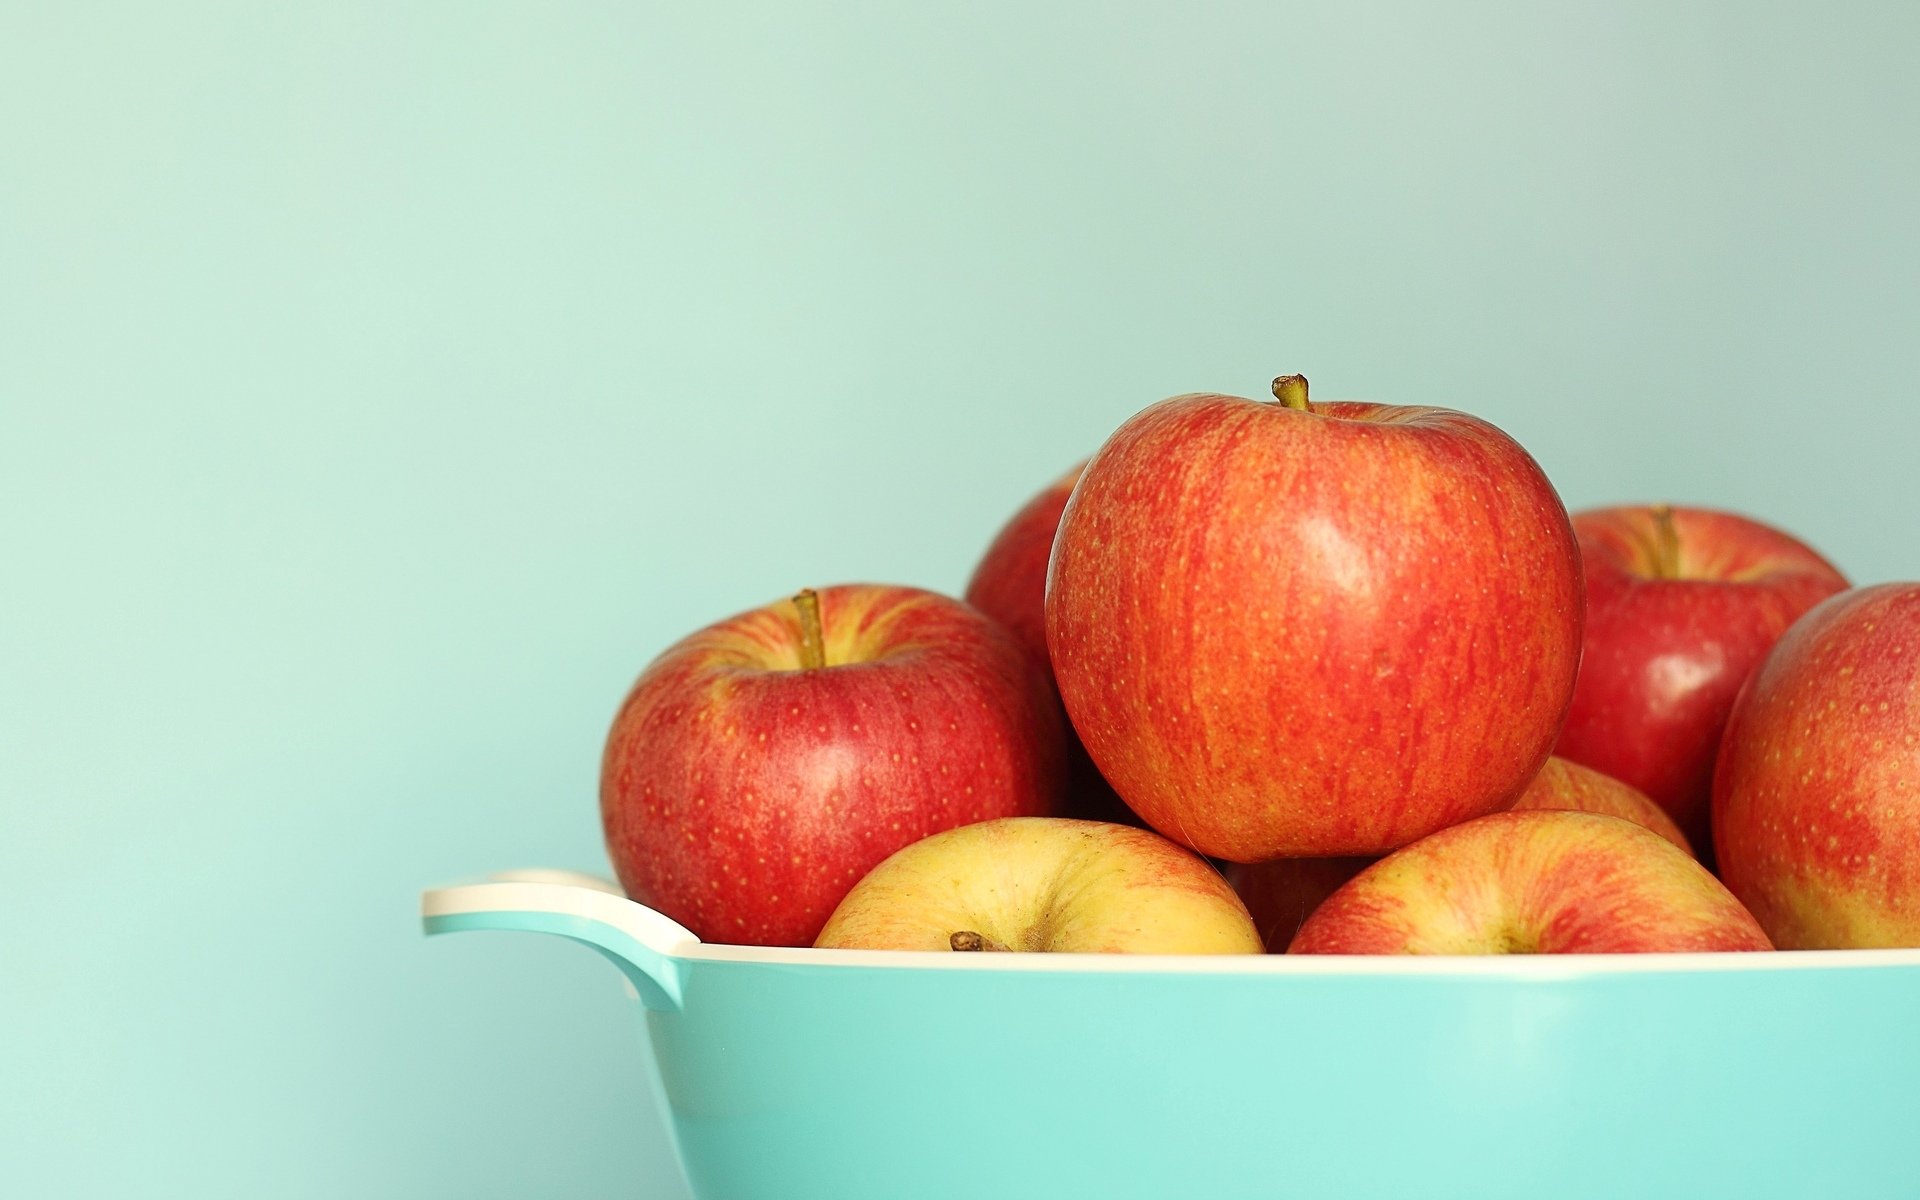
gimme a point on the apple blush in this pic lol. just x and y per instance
(1289, 628)
(1283, 892)
(761, 766)
(1816, 798)
(1536, 882)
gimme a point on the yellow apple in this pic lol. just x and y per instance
(1044, 884)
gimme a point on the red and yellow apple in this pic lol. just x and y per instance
(1010, 585)
(1293, 628)
(761, 766)
(1816, 797)
(1682, 604)
(1049, 884)
(1537, 882)
(1282, 893)
(1563, 786)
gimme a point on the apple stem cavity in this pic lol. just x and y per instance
(813, 643)
(967, 939)
(1666, 543)
(1291, 390)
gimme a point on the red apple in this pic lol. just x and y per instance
(1682, 604)
(1816, 798)
(1010, 585)
(1282, 893)
(1532, 883)
(1044, 884)
(761, 766)
(1293, 629)
(1010, 582)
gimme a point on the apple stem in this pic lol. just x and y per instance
(1666, 543)
(813, 643)
(967, 939)
(1291, 390)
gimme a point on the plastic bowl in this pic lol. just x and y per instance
(790, 1074)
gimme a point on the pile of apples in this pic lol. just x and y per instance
(1297, 676)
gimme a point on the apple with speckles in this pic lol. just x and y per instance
(1046, 885)
(759, 767)
(1536, 882)
(1281, 894)
(1293, 628)
(1816, 796)
(1682, 604)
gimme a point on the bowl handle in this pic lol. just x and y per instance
(644, 944)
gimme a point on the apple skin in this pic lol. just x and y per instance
(1046, 884)
(1286, 633)
(1010, 584)
(1563, 786)
(742, 795)
(1281, 894)
(1816, 797)
(1667, 647)
(1534, 882)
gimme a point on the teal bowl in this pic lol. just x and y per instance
(847, 1075)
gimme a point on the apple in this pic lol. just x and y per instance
(761, 766)
(1010, 582)
(1044, 884)
(1282, 893)
(1292, 629)
(1537, 882)
(1563, 786)
(1816, 796)
(1682, 604)
(1010, 585)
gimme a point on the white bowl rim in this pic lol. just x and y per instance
(571, 894)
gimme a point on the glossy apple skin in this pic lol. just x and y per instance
(742, 796)
(1536, 882)
(1664, 657)
(1010, 585)
(1281, 894)
(1045, 884)
(1284, 633)
(1816, 799)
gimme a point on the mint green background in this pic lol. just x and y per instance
(383, 385)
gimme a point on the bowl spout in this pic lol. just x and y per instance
(644, 944)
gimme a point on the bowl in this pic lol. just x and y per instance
(848, 1074)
